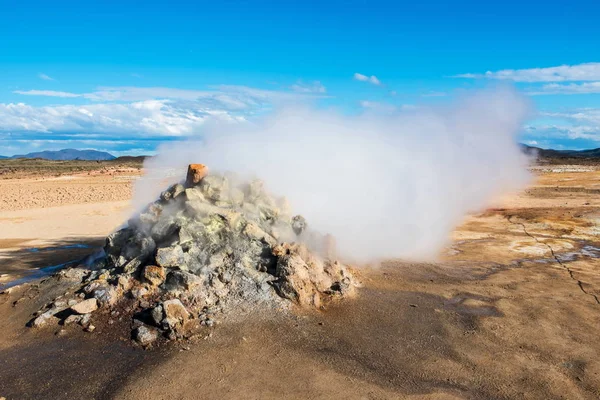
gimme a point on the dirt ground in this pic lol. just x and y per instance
(510, 311)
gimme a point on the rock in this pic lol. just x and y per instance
(215, 187)
(194, 194)
(85, 319)
(124, 282)
(307, 280)
(298, 224)
(90, 328)
(236, 196)
(139, 292)
(106, 294)
(172, 192)
(195, 174)
(157, 314)
(74, 274)
(175, 314)
(86, 306)
(132, 266)
(72, 319)
(154, 274)
(145, 335)
(170, 257)
(44, 319)
(181, 280)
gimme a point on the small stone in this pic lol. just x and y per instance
(195, 173)
(86, 306)
(175, 313)
(85, 319)
(90, 328)
(61, 332)
(72, 302)
(154, 274)
(145, 335)
(139, 292)
(157, 315)
(72, 319)
(298, 224)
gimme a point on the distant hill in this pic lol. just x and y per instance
(550, 155)
(69, 154)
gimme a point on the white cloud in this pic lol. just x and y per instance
(226, 96)
(157, 111)
(314, 87)
(561, 88)
(48, 93)
(45, 77)
(150, 117)
(562, 73)
(364, 78)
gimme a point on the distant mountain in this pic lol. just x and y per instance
(1, 157)
(69, 154)
(550, 153)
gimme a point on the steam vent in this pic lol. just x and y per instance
(208, 248)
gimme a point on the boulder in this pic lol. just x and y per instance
(195, 174)
(86, 306)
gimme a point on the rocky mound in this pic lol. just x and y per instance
(209, 246)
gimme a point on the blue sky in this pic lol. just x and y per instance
(125, 76)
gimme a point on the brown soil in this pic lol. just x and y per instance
(509, 312)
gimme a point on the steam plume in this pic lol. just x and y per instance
(383, 186)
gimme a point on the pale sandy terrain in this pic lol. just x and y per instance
(511, 311)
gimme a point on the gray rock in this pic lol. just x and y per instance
(145, 335)
(194, 194)
(298, 224)
(72, 319)
(215, 187)
(107, 295)
(170, 257)
(182, 280)
(157, 314)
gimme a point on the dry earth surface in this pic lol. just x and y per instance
(510, 311)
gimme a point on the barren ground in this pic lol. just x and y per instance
(510, 311)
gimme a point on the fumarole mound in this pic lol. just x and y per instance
(209, 246)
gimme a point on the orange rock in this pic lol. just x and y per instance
(195, 173)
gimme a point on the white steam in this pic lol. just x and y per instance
(383, 186)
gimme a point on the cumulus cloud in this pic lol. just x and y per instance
(562, 73)
(364, 78)
(45, 77)
(149, 117)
